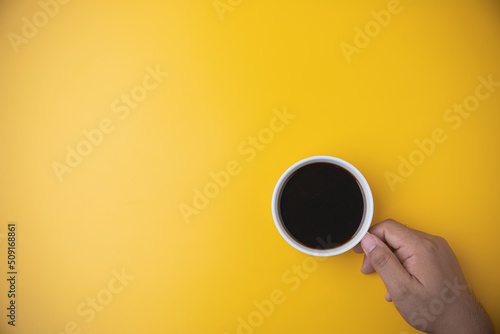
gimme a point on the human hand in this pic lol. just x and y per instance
(423, 278)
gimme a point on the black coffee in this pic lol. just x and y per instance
(321, 205)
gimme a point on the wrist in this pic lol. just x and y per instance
(465, 317)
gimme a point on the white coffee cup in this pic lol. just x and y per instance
(363, 226)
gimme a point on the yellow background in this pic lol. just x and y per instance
(120, 207)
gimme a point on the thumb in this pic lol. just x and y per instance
(386, 264)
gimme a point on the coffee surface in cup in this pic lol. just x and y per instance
(321, 205)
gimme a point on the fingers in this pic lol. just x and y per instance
(366, 267)
(390, 231)
(387, 265)
(402, 239)
(357, 249)
(388, 297)
(387, 228)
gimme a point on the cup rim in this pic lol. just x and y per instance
(367, 217)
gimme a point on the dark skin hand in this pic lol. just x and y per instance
(424, 280)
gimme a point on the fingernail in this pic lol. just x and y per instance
(368, 243)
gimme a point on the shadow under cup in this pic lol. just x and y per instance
(322, 206)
